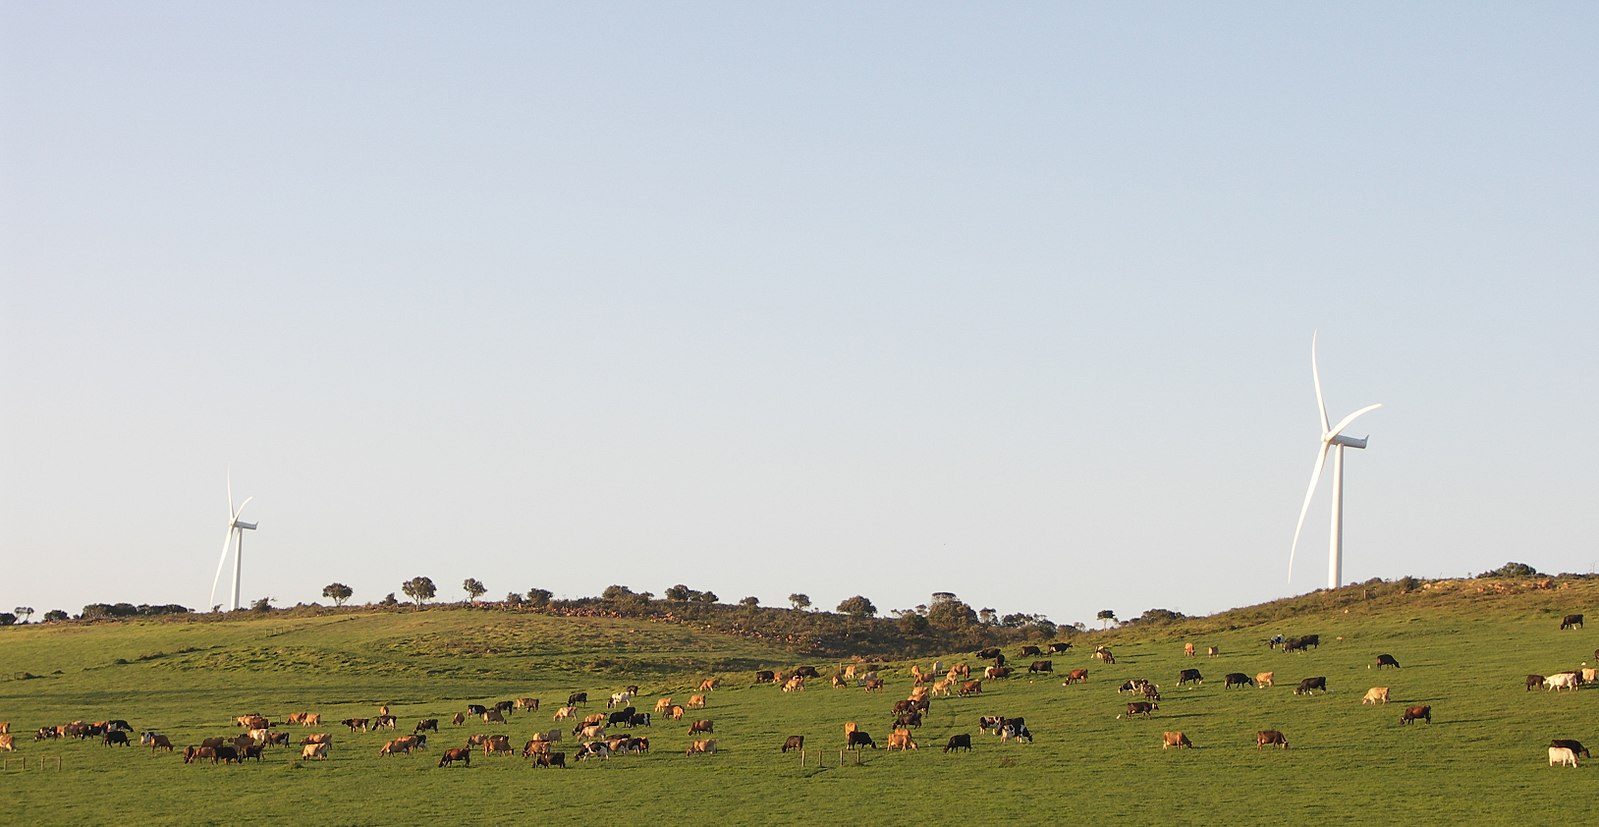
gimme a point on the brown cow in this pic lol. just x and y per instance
(313, 738)
(498, 745)
(530, 704)
(1412, 713)
(1188, 649)
(1375, 695)
(970, 688)
(317, 751)
(1264, 679)
(451, 756)
(901, 739)
(8, 743)
(1142, 708)
(662, 705)
(696, 702)
(700, 726)
(794, 742)
(677, 712)
(874, 684)
(709, 684)
(705, 747)
(1076, 676)
(1270, 736)
(493, 716)
(1174, 739)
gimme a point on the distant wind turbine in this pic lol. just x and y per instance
(236, 529)
(1332, 438)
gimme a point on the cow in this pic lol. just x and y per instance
(596, 718)
(565, 712)
(46, 732)
(1576, 747)
(908, 719)
(1562, 756)
(476, 710)
(1174, 739)
(990, 723)
(451, 756)
(1387, 660)
(313, 738)
(493, 716)
(794, 742)
(155, 741)
(676, 712)
(874, 684)
(1270, 736)
(9, 743)
(807, 672)
(498, 745)
(663, 704)
(115, 737)
(431, 724)
(1190, 676)
(709, 684)
(1041, 666)
(1232, 679)
(577, 698)
(970, 688)
(529, 704)
(1570, 622)
(1134, 685)
(959, 670)
(355, 724)
(639, 719)
(700, 726)
(250, 751)
(1376, 695)
(384, 722)
(311, 719)
(589, 731)
(1030, 652)
(1264, 679)
(621, 716)
(1141, 708)
(1104, 654)
(942, 687)
(996, 672)
(296, 717)
(191, 754)
(1412, 713)
(225, 755)
(988, 654)
(705, 747)
(1563, 680)
(1015, 729)
(1188, 649)
(764, 676)
(404, 745)
(961, 741)
(535, 746)
(594, 749)
(1308, 684)
(1076, 676)
(1059, 648)
(458, 718)
(1534, 681)
(858, 740)
(619, 699)
(1211, 651)
(553, 759)
(696, 702)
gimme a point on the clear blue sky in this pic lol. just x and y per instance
(1008, 300)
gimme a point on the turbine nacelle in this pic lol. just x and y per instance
(251, 526)
(1345, 441)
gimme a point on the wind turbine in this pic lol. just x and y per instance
(236, 528)
(1332, 439)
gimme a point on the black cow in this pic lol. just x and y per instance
(1059, 648)
(908, 719)
(961, 741)
(114, 736)
(1308, 684)
(1030, 652)
(1190, 676)
(1570, 621)
(1041, 666)
(1134, 685)
(621, 716)
(990, 652)
(806, 672)
(1017, 730)
(858, 739)
(476, 710)
(1141, 708)
(990, 722)
(639, 719)
(764, 676)
(549, 759)
(1387, 660)
(429, 724)
(505, 706)
(1534, 682)
(1576, 747)
(1237, 679)
(574, 699)
(225, 754)
(119, 724)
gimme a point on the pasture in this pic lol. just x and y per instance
(1482, 759)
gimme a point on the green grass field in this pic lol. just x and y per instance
(1464, 652)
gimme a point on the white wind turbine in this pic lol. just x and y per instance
(1332, 438)
(236, 528)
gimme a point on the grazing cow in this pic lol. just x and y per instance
(1270, 736)
(594, 749)
(959, 670)
(476, 710)
(397, 745)
(192, 754)
(451, 756)
(529, 704)
(1576, 747)
(619, 699)
(1534, 681)
(908, 719)
(1412, 713)
(536, 746)
(1134, 685)
(563, 713)
(1174, 739)
(114, 737)
(155, 741)
(296, 717)
(577, 698)
(1104, 654)
(313, 738)
(250, 751)
(1041, 666)
(1015, 729)
(1188, 649)
(990, 723)
(901, 739)
(942, 687)
(705, 747)
(1563, 680)
(622, 716)
(458, 718)
(9, 743)
(427, 725)
(1031, 652)
(858, 740)
(1570, 621)
(493, 716)
(1059, 648)
(874, 684)
(996, 672)
(700, 726)
(1306, 685)
(225, 755)
(709, 684)
(596, 718)
(1141, 708)
(553, 759)
(663, 704)
(590, 731)
(970, 688)
(961, 741)
(839, 682)
(696, 702)
(904, 706)
(383, 722)
(764, 676)
(311, 719)
(1589, 674)
(1562, 756)
(1076, 676)
(1387, 660)
(355, 724)
(989, 653)
(1190, 676)
(794, 742)
(676, 712)
(807, 672)
(1233, 679)
(1376, 695)
(638, 719)
(498, 745)
(1264, 679)
(1211, 651)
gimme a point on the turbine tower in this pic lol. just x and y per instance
(236, 529)
(1334, 440)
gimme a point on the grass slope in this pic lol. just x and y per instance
(1463, 651)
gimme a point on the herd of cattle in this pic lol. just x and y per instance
(599, 735)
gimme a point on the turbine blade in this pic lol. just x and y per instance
(226, 541)
(231, 513)
(1315, 477)
(1315, 374)
(241, 509)
(1351, 418)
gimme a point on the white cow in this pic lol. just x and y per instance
(1564, 680)
(1562, 756)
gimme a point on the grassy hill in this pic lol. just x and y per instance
(1465, 647)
